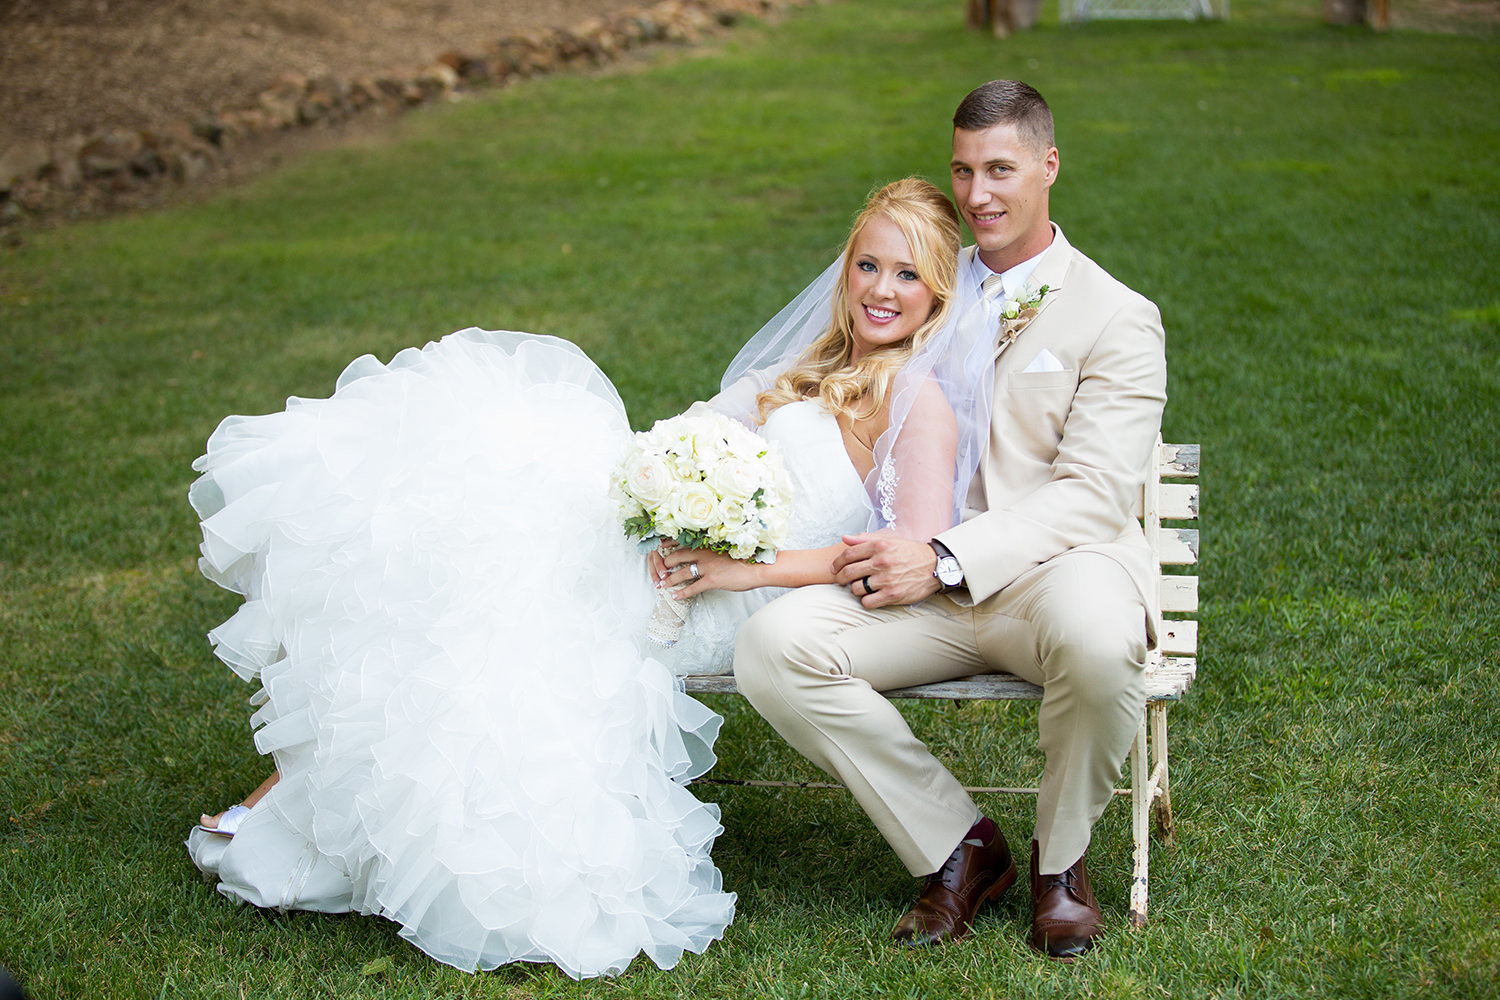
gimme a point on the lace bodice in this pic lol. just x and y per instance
(828, 501)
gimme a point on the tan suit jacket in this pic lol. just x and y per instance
(1069, 449)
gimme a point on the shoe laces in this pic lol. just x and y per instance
(949, 866)
(1066, 880)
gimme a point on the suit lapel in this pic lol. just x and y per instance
(1050, 271)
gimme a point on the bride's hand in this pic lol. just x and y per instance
(655, 559)
(715, 571)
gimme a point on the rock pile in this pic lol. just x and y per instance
(93, 170)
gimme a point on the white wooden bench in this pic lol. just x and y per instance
(1169, 515)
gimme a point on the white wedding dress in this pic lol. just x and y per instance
(446, 626)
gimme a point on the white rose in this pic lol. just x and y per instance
(647, 477)
(626, 507)
(695, 506)
(735, 478)
(732, 512)
(707, 447)
(746, 539)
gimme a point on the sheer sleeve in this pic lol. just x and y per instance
(916, 483)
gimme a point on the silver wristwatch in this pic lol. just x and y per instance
(948, 572)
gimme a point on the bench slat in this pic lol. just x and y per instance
(1179, 461)
(1167, 680)
(1178, 638)
(1177, 546)
(1171, 678)
(1178, 594)
(1179, 502)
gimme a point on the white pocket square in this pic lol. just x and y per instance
(1046, 361)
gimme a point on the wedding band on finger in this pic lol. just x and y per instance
(693, 569)
(868, 589)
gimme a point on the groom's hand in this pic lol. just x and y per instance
(896, 570)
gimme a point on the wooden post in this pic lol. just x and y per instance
(989, 14)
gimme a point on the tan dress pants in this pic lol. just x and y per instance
(814, 661)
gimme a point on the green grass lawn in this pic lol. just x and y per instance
(1317, 212)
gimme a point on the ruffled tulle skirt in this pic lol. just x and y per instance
(445, 622)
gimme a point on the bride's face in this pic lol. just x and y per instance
(887, 299)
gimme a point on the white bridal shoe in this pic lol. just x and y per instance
(229, 821)
(207, 844)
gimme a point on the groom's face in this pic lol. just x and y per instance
(1000, 184)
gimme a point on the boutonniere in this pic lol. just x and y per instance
(1019, 311)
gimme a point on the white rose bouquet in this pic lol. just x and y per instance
(706, 482)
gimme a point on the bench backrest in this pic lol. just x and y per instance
(1170, 518)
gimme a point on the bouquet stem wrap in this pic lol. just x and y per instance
(668, 616)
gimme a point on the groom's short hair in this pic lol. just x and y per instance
(1007, 102)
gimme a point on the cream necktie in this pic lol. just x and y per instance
(993, 289)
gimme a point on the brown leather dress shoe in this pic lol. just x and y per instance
(973, 875)
(1065, 917)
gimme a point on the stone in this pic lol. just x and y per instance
(332, 88)
(567, 45)
(244, 123)
(110, 154)
(603, 40)
(364, 92)
(209, 128)
(280, 100)
(23, 161)
(66, 173)
(470, 69)
(509, 55)
(187, 165)
(280, 109)
(148, 162)
(438, 78)
(313, 108)
(31, 194)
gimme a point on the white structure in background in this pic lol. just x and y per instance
(1073, 11)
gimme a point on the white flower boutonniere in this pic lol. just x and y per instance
(1018, 312)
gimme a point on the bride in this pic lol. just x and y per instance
(444, 619)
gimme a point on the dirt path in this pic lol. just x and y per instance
(78, 66)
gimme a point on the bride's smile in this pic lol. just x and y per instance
(892, 300)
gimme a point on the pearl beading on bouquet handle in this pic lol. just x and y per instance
(668, 616)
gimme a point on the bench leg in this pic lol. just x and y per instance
(1140, 810)
(1158, 714)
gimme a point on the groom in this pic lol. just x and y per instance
(1048, 576)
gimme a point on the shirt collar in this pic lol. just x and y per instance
(1015, 278)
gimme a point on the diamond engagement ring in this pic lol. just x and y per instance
(693, 569)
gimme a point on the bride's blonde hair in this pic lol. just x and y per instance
(930, 224)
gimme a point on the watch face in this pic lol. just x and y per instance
(949, 573)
